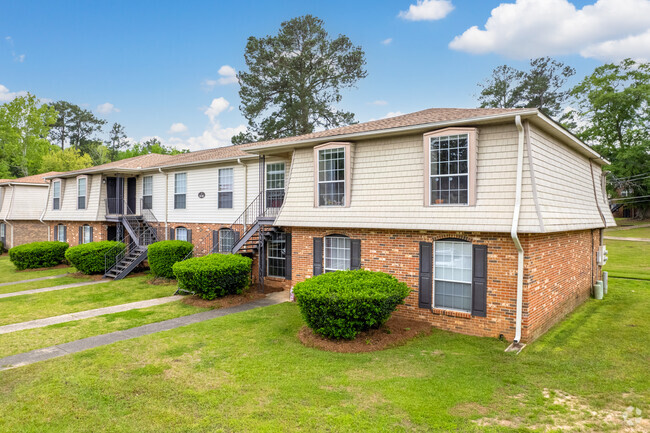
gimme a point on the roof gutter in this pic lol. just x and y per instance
(166, 201)
(11, 205)
(47, 201)
(513, 232)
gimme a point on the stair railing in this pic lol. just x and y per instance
(110, 257)
(249, 217)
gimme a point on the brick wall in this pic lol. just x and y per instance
(25, 232)
(72, 230)
(397, 252)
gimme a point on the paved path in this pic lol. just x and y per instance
(11, 283)
(40, 323)
(53, 288)
(152, 328)
(615, 238)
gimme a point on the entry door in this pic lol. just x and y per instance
(130, 193)
(115, 195)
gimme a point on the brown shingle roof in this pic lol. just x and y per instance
(226, 152)
(36, 178)
(137, 162)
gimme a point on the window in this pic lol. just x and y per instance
(59, 232)
(226, 240)
(337, 253)
(56, 195)
(275, 184)
(87, 234)
(331, 177)
(81, 193)
(224, 195)
(180, 190)
(450, 170)
(276, 261)
(181, 234)
(453, 275)
(3, 231)
(147, 192)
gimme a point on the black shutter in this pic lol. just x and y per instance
(91, 234)
(56, 232)
(287, 256)
(81, 235)
(65, 234)
(355, 254)
(318, 256)
(426, 275)
(215, 241)
(189, 235)
(479, 281)
(171, 234)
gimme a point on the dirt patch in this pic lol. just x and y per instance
(395, 332)
(62, 265)
(86, 277)
(225, 302)
(469, 409)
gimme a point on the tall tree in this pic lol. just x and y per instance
(65, 160)
(116, 141)
(613, 115)
(539, 87)
(76, 127)
(295, 78)
(60, 131)
(24, 126)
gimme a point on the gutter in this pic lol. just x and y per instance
(245, 181)
(515, 236)
(47, 201)
(11, 204)
(166, 201)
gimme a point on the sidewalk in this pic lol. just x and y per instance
(53, 288)
(11, 283)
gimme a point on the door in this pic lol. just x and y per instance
(111, 233)
(115, 195)
(274, 185)
(130, 194)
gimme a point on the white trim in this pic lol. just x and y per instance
(85, 195)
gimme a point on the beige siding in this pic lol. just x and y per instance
(6, 193)
(28, 202)
(95, 204)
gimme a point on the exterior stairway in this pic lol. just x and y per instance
(128, 263)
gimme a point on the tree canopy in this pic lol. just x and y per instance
(294, 80)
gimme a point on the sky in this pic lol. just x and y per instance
(167, 69)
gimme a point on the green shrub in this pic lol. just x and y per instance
(214, 275)
(89, 258)
(341, 304)
(162, 256)
(38, 255)
(2, 247)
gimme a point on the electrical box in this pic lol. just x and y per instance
(601, 255)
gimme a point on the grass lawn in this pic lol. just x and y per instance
(627, 222)
(31, 339)
(42, 284)
(628, 259)
(643, 232)
(8, 271)
(29, 307)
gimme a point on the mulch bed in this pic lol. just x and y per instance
(62, 265)
(229, 300)
(395, 332)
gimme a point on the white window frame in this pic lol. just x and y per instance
(144, 191)
(472, 144)
(347, 170)
(223, 248)
(180, 230)
(278, 239)
(85, 192)
(279, 177)
(3, 230)
(225, 188)
(56, 183)
(332, 243)
(177, 191)
(454, 279)
(60, 231)
(86, 231)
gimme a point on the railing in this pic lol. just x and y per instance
(118, 207)
(110, 257)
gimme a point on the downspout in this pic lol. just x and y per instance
(245, 181)
(166, 201)
(11, 204)
(47, 201)
(515, 224)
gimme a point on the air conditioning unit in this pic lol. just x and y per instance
(601, 255)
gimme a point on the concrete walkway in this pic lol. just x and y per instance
(615, 238)
(40, 323)
(152, 328)
(53, 288)
(11, 283)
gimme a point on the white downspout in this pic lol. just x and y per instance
(47, 201)
(11, 204)
(166, 201)
(245, 181)
(515, 225)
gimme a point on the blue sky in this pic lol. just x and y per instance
(151, 64)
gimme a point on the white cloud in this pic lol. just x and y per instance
(217, 106)
(228, 75)
(534, 28)
(379, 102)
(636, 47)
(209, 84)
(427, 10)
(387, 41)
(177, 128)
(107, 108)
(17, 57)
(6, 95)
(392, 114)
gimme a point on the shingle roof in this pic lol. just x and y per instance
(37, 178)
(137, 162)
(225, 152)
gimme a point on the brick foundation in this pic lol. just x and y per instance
(25, 232)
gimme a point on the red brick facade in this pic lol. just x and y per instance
(557, 275)
(72, 230)
(25, 232)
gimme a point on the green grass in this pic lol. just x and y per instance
(643, 232)
(8, 271)
(628, 259)
(31, 339)
(248, 372)
(42, 284)
(29, 307)
(626, 222)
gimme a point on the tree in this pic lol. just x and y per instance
(24, 126)
(539, 87)
(295, 78)
(65, 160)
(613, 115)
(116, 141)
(60, 131)
(151, 145)
(76, 127)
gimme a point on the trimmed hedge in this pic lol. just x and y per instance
(341, 304)
(214, 275)
(89, 258)
(162, 256)
(38, 255)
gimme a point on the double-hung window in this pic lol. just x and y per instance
(3, 232)
(337, 253)
(224, 194)
(275, 184)
(56, 195)
(453, 275)
(226, 240)
(81, 192)
(331, 177)
(180, 190)
(147, 192)
(60, 232)
(276, 256)
(86, 232)
(181, 234)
